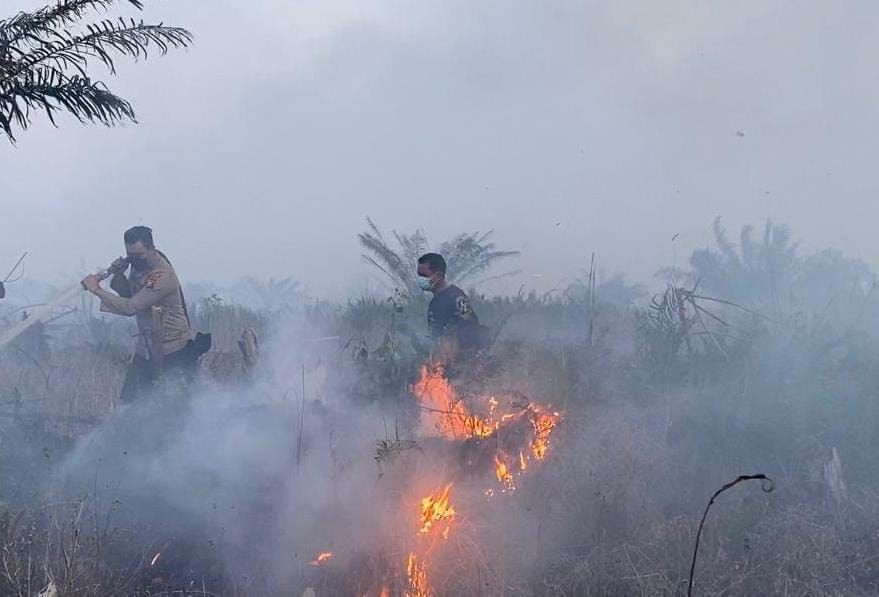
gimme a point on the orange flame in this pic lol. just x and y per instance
(417, 573)
(543, 424)
(436, 508)
(444, 410)
(502, 472)
(321, 558)
(445, 413)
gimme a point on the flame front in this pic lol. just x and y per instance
(444, 411)
(505, 428)
(543, 424)
(503, 473)
(518, 433)
(436, 508)
(446, 414)
(416, 572)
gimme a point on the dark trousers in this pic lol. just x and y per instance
(143, 375)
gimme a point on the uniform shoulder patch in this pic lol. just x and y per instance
(152, 279)
(463, 306)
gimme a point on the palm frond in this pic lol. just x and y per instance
(469, 255)
(49, 90)
(724, 244)
(378, 266)
(128, 38)
(375, 229)
(29, 27)
(396, 266)
(43, 63)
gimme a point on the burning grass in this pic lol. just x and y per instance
(437, 509)
(432, 505)
(503, 436)
(516, 430)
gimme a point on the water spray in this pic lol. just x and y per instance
(42, 312)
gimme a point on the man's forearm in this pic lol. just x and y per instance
(114, 304)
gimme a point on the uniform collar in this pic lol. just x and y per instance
(154, 260)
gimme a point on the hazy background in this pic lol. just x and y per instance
(565, 126)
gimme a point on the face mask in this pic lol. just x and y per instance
(139, 263)
(424, 284)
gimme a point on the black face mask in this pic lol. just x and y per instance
(139, 263)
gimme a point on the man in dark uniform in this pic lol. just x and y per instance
(452, 323)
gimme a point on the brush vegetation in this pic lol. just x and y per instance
(756, 358)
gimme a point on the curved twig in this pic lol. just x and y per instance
(767, 484)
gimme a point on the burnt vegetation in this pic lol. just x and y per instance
(757, 359)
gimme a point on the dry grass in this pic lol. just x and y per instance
(613, 511)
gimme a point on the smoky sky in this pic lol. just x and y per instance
(566, 127)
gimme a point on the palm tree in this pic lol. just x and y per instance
(754, 272)
(766, 272)
(469, 255)
(44, 61)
